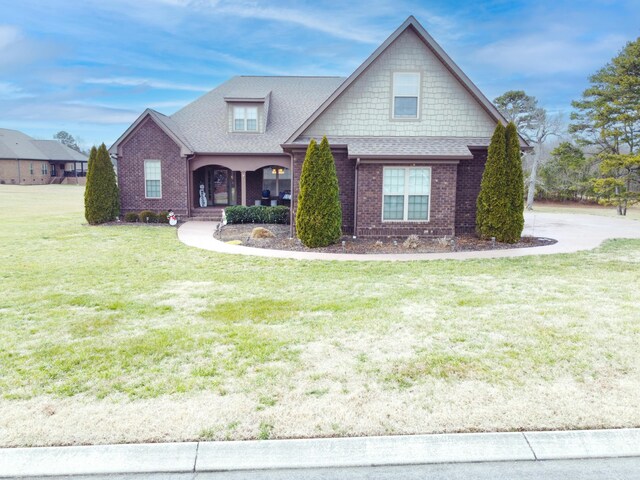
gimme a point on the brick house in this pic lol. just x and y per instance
(27, 161)
(409, 132)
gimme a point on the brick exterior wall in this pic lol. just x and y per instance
(345, 169)
(468, 188)
(442, 208)
(254, 186)
(149, 142)
(9, 172)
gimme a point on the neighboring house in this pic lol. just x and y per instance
(409, 132)
(26, 161)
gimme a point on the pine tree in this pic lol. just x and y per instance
(319, 212)
(514, 182)
(101, 197)
(492, 201)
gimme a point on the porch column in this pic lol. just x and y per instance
(243, 183)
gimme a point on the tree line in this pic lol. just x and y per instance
(600, 162)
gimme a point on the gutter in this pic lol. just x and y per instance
(293, 183)
(355, 201)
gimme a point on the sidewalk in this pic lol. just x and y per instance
(573, 232)
(318, 453)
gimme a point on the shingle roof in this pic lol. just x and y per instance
(204, 122)
(54, 150)
(17, 145)
(406, 147)
(14, 144)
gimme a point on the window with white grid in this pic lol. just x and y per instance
(406, 192)
(245, 119)
(152, 179)
(406, 95)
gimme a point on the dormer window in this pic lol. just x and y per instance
(245, 119)
(406, 95)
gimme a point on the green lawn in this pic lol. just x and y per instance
(121, 333)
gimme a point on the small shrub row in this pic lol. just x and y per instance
(257, 214)
(146, 216)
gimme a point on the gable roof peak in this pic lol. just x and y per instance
(429, 41)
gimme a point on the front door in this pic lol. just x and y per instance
(220, 186)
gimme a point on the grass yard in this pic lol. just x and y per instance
(123, 334)
(633, 212)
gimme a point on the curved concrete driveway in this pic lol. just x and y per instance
(574, 232)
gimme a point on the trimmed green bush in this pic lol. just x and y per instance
(257, 214)
(500, 204)
(514, 183)
(319, 211)
(131, 217)
(101, 197)
(162, 217)
(492, 199)
(147, 216)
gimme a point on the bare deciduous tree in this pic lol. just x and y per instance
(533, 124)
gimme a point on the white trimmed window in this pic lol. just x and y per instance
(406, 95)
(245, 119)
(44, 168)
(406, 192)
(152, 179)
(31, 168)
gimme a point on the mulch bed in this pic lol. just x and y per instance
(282, 241)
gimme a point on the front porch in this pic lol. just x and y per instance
(223, 183)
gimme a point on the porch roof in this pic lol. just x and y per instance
(455, 148)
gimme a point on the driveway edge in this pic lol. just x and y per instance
(317, 453)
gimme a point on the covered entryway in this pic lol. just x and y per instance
(240, 180)
(219, 183)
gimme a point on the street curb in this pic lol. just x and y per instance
(318, 453)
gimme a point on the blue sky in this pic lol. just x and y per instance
(92, 66)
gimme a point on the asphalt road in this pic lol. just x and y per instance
(591, 469)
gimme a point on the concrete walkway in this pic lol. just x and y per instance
(318, 453)
(573, 232)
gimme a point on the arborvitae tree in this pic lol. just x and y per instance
(319, 212)
(493, 204)
(514, 182)
(101, 197)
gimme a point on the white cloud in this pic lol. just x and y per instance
(146, 82)
(8, 35)
(306, 19)
(555, 50)
(57, 112)
(11, 91)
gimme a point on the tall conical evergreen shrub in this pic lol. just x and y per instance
(101, 197)
(500, 203)
(492, 201)
(319, 212)
(515, 186)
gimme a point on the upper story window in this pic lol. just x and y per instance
(245, 119)
(406, 95)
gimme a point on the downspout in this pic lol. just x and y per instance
(291, 203)
(355, 201)
(189, 179)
